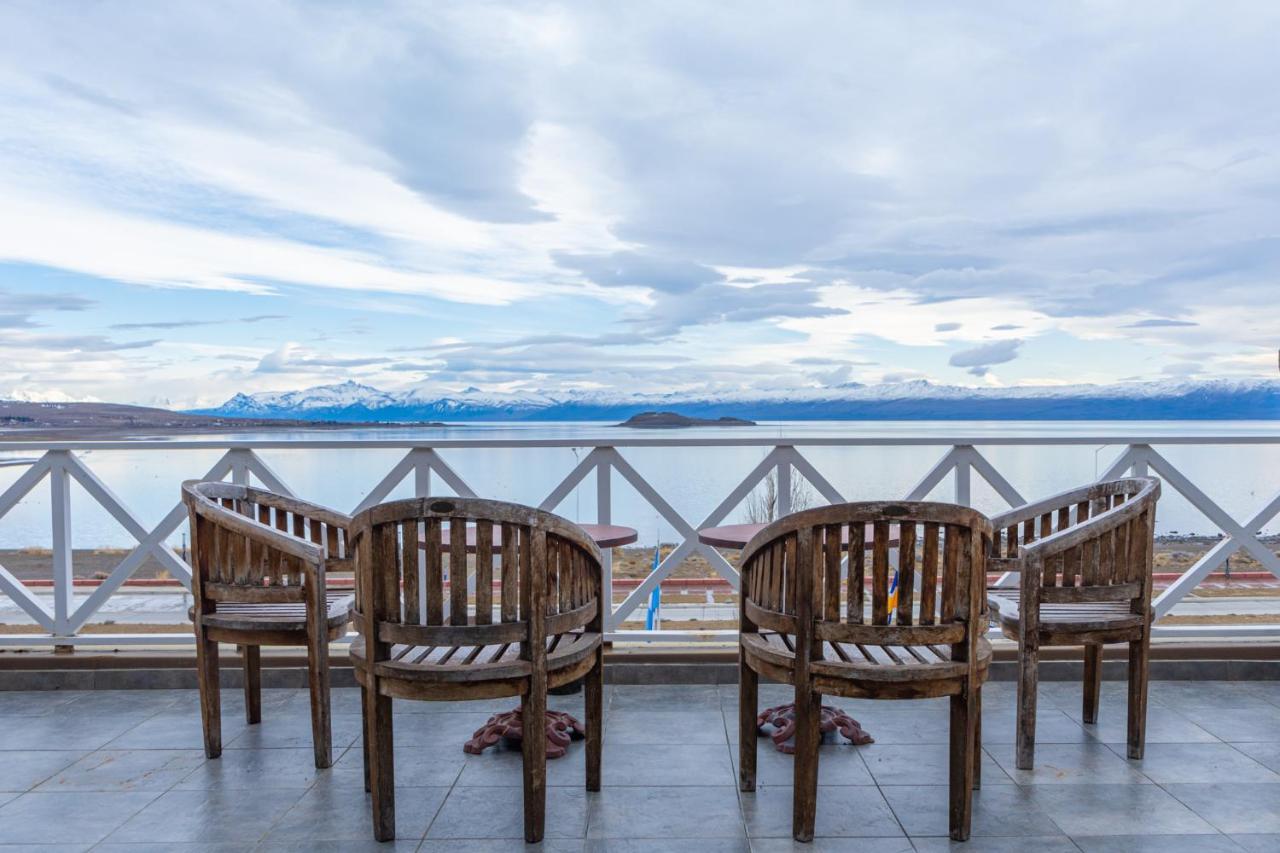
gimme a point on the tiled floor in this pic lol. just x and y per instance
(123, 771)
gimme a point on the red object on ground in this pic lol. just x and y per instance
(561, 728)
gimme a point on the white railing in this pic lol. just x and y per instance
(62, 462)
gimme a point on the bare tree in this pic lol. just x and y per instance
(762, 503)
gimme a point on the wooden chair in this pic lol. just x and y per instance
(420, 640)
(260, 562)
(1085, 582)
(796, 629)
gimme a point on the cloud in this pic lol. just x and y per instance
(183, 324)
(720, 303)
(28, 302)
(980, 358)
(946, 327)
(292, 358)
(77, 343)
(1159, 323)
(635, 269)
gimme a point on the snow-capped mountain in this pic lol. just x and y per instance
(1220, 399)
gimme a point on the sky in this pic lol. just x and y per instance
(199, 199)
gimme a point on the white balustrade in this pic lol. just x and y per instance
(62, 462)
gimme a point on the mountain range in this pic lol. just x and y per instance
(1218, 399)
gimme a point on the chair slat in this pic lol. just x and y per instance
(929, 574)
(906, 571)
(457, 571)
(484, 572)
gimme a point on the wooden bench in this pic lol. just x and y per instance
(420, 639)
(1084, 560)
(801, 625)
(260, 563)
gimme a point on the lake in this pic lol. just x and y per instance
(1241, 478)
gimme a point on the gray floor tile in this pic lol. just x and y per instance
(118, 702)
(665, 813)
(1070, 763)
(65, 729)
(256, 769)
(1000, 810)
(1164, 725)
(1040, 844)
(1115, 809)
(669, 845)
(47, 848)
(1205, 695)
(33, 703)
(499, 767)
(905, 722)
(23, 770)
(1157, 844)
(332, 813)
(832, 845)
(499, 813)
(1200, 762)
(232, 815)
(415, 767)
(502, 845)
(174, 846)
(1234, 808)
(1266, 754)
(681, 696)
(1237, 724)
(444, 732)
(175, 730)
(701, 726)
(858, 811)
(68, 817)
(1254, 843)
(838, 764)
(999, 725)
(126, 770)
(677, 765)
(921, 764)
(289, 729)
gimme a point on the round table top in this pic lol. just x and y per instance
(604, 535)
(738, 535)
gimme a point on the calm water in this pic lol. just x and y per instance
(1241, 478)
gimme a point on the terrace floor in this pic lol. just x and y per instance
(122, 771)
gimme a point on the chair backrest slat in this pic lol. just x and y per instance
(251, 539)
(547, 568)
(938, 549)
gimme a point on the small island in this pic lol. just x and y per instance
(675, 420)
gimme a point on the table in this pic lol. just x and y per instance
(783, 717)
(561, 727)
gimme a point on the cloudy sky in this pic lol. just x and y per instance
(203, 198)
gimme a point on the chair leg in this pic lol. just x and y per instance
(1092, 680)
(748, 737)
(364, 733)
(1028, 681)
(964, 713)
(251, 657)
(210, 693)
(321, 717)
(977, 739)
(1139, 651)
(808, 738)
(594, 689)
(379, 744)
(533, 711)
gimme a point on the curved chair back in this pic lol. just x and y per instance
(255, 546)
(792, 577)
(1090, 544)
(547, 575)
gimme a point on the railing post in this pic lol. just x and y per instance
(1140, 461)
(784, 484)
(604, 515)
(421, 478)
(239, 466)
(63, 570)
(964, 478)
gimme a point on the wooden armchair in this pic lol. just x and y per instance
(1084, 559)
(796, 629)
(419, 638)
(260, 562)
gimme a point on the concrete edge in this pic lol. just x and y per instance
(617, 672)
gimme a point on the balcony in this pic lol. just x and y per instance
(123, 770)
